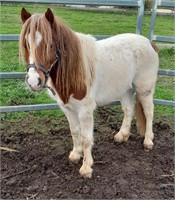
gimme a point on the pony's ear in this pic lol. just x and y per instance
(25, 15)
(49, 16)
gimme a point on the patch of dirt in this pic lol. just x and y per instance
(41, 170)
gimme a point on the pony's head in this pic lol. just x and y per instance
(51, 50)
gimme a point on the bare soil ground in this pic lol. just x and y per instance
(41, 170)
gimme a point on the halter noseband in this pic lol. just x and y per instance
(47, 72)
(41, 68)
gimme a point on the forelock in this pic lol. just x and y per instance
(40, 36)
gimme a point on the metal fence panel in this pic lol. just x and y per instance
(36, 107)
(21, 75)
(132, 3)
(9, 37)
(23, 108)
(166, 3)
(12, 75)
(135, 3)
(156, 4)
(15, 37)
(163, 38)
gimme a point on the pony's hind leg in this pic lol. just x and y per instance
(127, 102)
(146, 100)
(74, 124)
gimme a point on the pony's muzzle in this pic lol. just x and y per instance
(35, 84)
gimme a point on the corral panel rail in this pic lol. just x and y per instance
(15, 37)
(156, 4)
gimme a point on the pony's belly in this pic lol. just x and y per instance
(104, 94)
(112, 81)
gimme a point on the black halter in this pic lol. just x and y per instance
(47, 72)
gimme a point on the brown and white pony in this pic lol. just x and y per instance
(81, 73)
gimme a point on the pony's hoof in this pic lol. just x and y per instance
(86, 171)
(120, 138)
(148, 148)
(148, 145)
(74, 157)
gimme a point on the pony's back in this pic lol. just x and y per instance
(123, 62)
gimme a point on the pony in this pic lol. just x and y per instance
(81, 73)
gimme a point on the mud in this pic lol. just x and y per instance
(40, 168)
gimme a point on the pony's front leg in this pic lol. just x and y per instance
(87, 125)
(74, 125)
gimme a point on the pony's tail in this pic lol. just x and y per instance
(140, 117)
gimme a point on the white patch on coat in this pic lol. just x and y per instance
(32, 77)
(50, 93)
(32, 74)
(38, 38)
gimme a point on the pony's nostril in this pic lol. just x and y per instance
(39, 81)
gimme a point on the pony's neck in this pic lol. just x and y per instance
(69, 75)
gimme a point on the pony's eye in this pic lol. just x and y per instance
(51, 46)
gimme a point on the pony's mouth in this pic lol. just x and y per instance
(35, 88)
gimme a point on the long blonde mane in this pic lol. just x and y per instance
(69, 76)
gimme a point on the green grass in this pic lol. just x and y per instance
(15, 92)
(90, 22)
